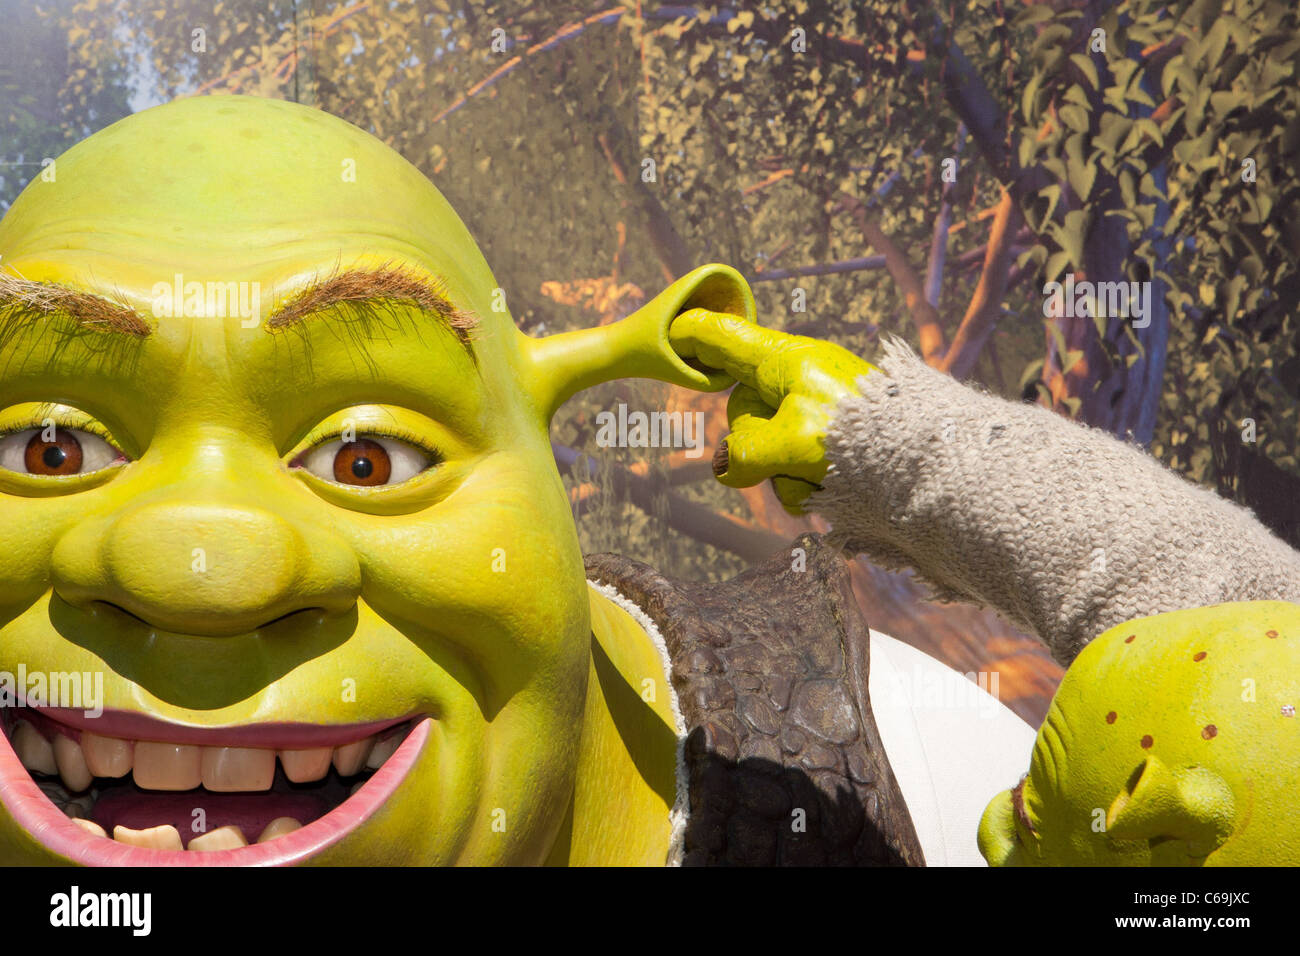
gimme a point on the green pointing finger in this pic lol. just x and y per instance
(773, 363)
(788, 389)
(727, 342)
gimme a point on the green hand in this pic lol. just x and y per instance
(788, 387)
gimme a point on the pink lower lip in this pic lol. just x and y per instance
(47, 824)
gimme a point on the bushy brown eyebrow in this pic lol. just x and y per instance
(386, 285)
(88, 310)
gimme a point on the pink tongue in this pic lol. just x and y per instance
(251, 812)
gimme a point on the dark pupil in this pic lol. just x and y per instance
(54, 457)
(361, 467)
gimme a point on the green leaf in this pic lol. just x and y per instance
(1074, 148)
(1149, 127)
(1127, 187)
(1070, 234)
(1032, 371)
(1178, 72)
(1082, 176)
(1029, 99)
(1138, 95)
(1028, 148)
(1028, 16)
(1075, 117)
(1052, 195)
(1056, 264)
(1086, 67)
(1113, 129)
(1076, 94)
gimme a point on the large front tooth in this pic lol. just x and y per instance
(161, 766)
(304, 766)
(106, 756)
(71, 762)
(91, 827)
(383, 750)
(164, 837)
(33, 749)
(278, 828)
(350, 758)
(222, 838)
(227, 769)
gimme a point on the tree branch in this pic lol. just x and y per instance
(924, 316)
(681, 514)
(668, 245)
(939, 238)
(860, 264)
(986, 303)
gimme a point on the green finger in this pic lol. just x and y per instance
(788, 444)
(744, 405)
(727, 342)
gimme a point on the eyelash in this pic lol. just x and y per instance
(383, 431)
(89, 427)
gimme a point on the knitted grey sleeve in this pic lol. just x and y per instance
(1063, 529)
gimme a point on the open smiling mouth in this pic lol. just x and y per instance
(134, 791)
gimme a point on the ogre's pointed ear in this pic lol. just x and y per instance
(560, 365)
(1191, 804)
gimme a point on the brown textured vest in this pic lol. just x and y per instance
(770, 669)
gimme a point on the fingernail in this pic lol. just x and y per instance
(721, 460)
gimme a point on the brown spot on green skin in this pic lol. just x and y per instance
(1270, 634)
(1199, 657)
(1110, 718)
(1210, 732)
(1147, 742)
(1130, 639)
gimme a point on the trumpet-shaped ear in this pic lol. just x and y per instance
(558, 366)
(1191, 804)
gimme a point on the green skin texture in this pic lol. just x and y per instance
(1198, 765)
(459, 593)
(415, 615)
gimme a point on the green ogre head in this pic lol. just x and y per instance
(1172, 741)
(275, 464)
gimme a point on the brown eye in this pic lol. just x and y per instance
(56, 453)
(62, 456)
(362, 462)
(365, 462)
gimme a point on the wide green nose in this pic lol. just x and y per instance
(188, 564)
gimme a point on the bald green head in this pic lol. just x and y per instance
(237, 186)
(273, 454)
